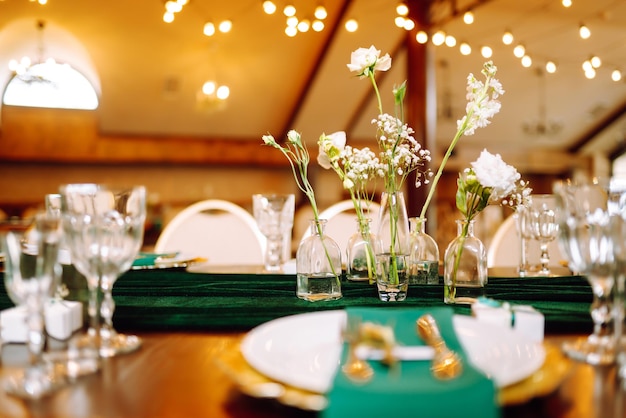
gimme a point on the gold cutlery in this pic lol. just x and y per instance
(355, 368)
(446, 363)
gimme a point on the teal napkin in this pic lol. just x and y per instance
(149, 259)
(408, 389)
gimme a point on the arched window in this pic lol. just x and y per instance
(50, 85)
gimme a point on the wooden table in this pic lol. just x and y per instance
(175, 374)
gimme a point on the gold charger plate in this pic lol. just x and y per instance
(252, 383)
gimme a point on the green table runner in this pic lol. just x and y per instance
(178, 300)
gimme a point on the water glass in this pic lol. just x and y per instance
(543, 225)
(31, 275)
(274, 215)
(392, 277)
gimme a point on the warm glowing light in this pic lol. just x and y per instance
(465, 48)
(507, 38)
(222, 92)
(291, 31)
(289, 11)
(168, 17)
(399, 21)
(468, 17)
(402, 9)
(421, 37)
(486, 52)
(450, 41)
(225, 26)
(352, 25)
(320, 13)
(173, 7)
(527, 61)
(209, 88)
(616, 75)
(587, 66)
(596, 62)
(584, 32)
(292, 22)
(318, 25)
(566, 3)
(304, 25)
(408, 24)
(590, 74)
(42, 2)
(209, 29)
(439, 37)
(269, 7)
(550, 67)
(519, 51)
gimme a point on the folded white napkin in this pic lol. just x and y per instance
(62, 318)
(522, 318)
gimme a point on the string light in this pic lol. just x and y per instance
(450, 41)
(566, 3)
(596, 62)
(550, 67)
(352, 25)
(408, 24)
(465, 48)
(318, 25)
(439, 38)
(507, 38)
(269, 7)
(584, 31)
(486, 52)
(320, 13)
(527, 61)
(402, 9)
(468, 17)
(289, 10)
(519, 51)
(616, 75)
(421, 37)
(172, 7)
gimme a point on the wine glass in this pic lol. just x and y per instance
(586, 237)
(31, 275)
(542, 222)
(274, 216)
(104, 233)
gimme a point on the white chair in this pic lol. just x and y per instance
(342, 223)
(505, 248)
(220, 231)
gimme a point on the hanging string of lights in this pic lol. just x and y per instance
(440, 37)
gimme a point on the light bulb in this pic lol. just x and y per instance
(465, 48)
(291, 31)
(596, 62)
(222, 92)
(584, 32)
(318, 25)
(320, 13)
(173, 7)
(450, 41)
(439, 37)
(527, 61)
(486, 52)
(225, 26)
(352, 25)
(468, 17)
(289, 10)
(550, 67)
(519, 51)
(421, 37)
(566, 3)
(168, 17)
(507, 38)
(590, 74)
(209, 88)
(304, 25)
(292, 22)
(616, 75)
(209, 29)
(399, 21)
(408, 24)
(269, 7)
(402, 9)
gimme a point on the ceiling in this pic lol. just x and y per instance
(148, 72)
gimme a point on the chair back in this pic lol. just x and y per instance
(220, 231)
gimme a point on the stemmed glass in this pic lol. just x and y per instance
(587, 241)
(543, 225)
(104, 233)
(274, 216)
(31, 275)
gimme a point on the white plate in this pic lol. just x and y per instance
(303, 350)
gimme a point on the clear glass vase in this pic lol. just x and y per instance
(465, 266)
(393, 226)
(361, 253)
(423, 254)
(318, 266)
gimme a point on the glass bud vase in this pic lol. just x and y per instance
(393, 226)
(318, 266)
(361, 253)
(423, 254)
(465, 266)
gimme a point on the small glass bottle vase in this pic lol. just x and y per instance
(318, 266)
(465, 266)
(361, 253)
(423, 255)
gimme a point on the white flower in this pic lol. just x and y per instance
(492, 172)
(330, 148)
(365, 61)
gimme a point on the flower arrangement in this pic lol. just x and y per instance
(399, 152)
(482, 105)
(489, 180)
(298, 155)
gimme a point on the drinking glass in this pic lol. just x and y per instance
(274, 216)
(543, 225)
(586, 238)
(104, 233)
(31, 275)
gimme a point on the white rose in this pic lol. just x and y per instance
(330, 148)
(491, 171)
(364, 59)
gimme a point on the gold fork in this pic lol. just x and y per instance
(356, 369)
(446, 363)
